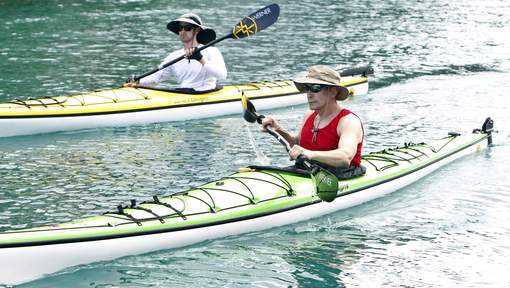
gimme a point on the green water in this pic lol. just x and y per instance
(440, 66)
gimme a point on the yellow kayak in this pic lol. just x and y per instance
(142, 105)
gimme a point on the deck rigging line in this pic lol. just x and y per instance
(80, 98)
(125, 213)
(392, 158)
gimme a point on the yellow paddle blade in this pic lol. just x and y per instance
(244, 102)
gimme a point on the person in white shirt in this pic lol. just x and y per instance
(199, 70)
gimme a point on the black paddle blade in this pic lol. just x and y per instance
(256, 21)
(249, 110)
(326, 184)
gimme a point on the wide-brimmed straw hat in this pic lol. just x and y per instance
(205, 35)
(322, 74)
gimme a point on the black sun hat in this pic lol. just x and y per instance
(205, 35)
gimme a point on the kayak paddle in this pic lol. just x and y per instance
(325, 182)
(248, 26)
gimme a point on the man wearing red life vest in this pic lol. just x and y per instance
(330, 135)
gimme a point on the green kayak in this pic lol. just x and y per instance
(252, 199)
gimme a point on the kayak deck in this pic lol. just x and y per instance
(146, 98)
(142, 105)
(249, 193)
(232, 197)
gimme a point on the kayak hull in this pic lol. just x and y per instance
(24, 257)
(30, 126)
(129, 106)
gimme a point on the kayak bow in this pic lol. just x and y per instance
(255, 198)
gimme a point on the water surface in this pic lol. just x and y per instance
(440, 66)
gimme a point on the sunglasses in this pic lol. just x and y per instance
(186, 27)
(314, 88)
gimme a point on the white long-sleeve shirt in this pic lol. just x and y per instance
(191, 73)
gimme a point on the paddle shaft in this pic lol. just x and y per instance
(250, 115)
(279, 137)
(285, 143)
(249, 25)
(161, 67)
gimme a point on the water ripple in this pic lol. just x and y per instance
(440, 66)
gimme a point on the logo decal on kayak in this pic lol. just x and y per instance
(325, 179)
(245, 28)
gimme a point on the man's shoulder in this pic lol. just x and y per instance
(350, 121)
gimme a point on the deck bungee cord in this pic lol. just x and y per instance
(391, 155)
(118, 94)
(80, 99)
(40, 100)
(121, 107)
(138, 91)
(208, 199)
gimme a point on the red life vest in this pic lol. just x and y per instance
(326, 138)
